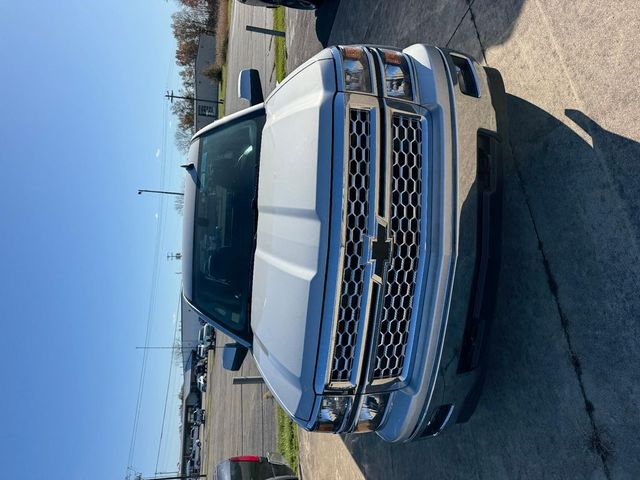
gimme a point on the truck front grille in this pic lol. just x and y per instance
(405, 226)
(356, 213)
(398, 288)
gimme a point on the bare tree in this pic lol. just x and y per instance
(187, 52)
(189, 23)
(194, 18)
(177, 352)
(183, 139)
(183, 109)
(188, 78)
(178, 204)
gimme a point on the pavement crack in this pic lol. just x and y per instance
(597, 443)
(469, 11)
(475, 27)
(459, 23)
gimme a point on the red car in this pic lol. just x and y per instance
(252, 467)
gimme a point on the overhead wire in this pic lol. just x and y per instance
(159, 240)
(152, 296)
(166, 395)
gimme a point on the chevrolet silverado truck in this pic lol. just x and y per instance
(346, 231)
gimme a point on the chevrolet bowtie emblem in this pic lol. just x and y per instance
(381, 250)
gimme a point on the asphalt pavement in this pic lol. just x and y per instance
(249, 50)
(240, 419)
(562, 395)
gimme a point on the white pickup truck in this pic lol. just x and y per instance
(346, 231)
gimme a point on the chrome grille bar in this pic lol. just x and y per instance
(356, 212)
(405, 228)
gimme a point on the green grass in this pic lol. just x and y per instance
(222, 87)
(281, 48)
(287, 438)
(222, 91)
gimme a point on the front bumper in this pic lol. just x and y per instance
(448, 375)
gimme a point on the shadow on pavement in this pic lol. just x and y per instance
(561, 369)
(533, 417)
(622, 157)
(404, 22)
(325, 16)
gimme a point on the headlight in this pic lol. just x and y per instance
(332, 414)
(356, 69)
(371, 412)
(397, 74)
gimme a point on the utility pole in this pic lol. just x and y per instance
(179, 477)
(170, 95)
(162, 192)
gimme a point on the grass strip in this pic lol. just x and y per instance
(225, 13)
(222, 91)
(280, 44)
(287, 438)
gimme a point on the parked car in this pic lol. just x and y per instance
(194, 435)
(300, 4)
(191, 470)
(206, 340)
(358, 214)
(207, 335)
(202, 383)
(197, 416)
(202, 351)
(194, 459)
(252, 467)
(201, 367)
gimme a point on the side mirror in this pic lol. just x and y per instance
(249, 86)
(233, 356)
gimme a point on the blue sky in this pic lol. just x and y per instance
(82, 126)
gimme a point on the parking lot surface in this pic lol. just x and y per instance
(562, 396)
(240, 418)
(249, 50)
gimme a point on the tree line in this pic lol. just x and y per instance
(192, 19)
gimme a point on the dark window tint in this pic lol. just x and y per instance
(224, 225)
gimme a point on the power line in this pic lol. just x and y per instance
(162, 217)
(166, 395)
(152, 299)
(192, 347)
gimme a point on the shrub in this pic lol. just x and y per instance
(214, 72)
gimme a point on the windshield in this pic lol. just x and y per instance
(224, 224)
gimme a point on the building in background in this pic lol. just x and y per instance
(206, 89)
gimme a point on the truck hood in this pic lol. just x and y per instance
(294, 190)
